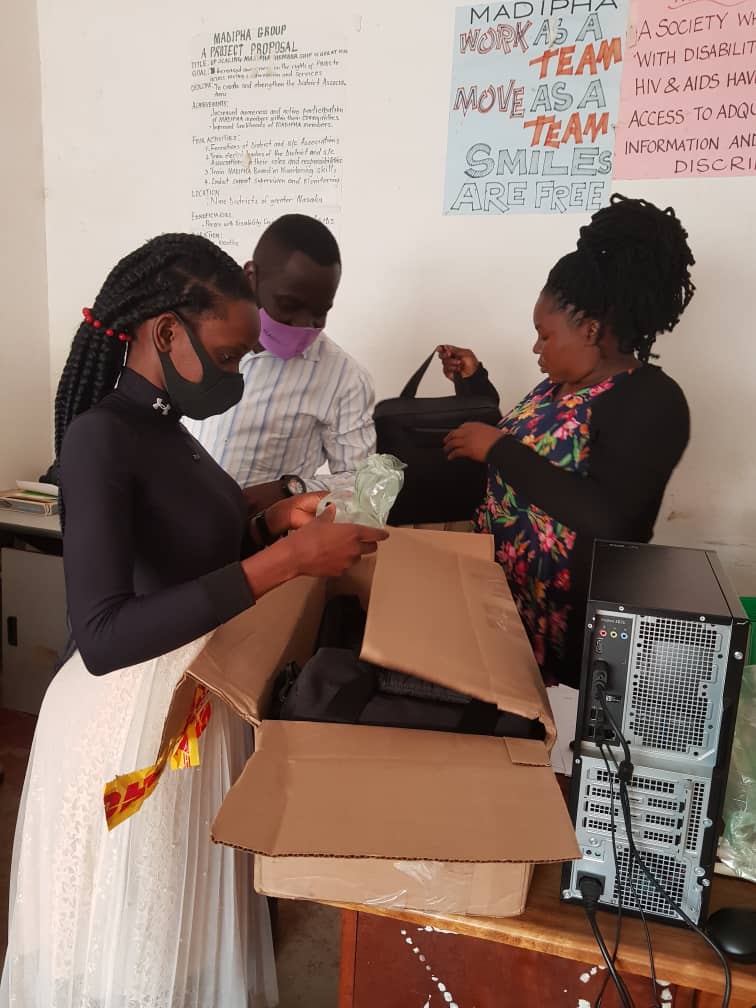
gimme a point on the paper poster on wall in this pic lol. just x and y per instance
(688, 104)
(534, 100)
(268, 103)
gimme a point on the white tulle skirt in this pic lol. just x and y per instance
(152, 914)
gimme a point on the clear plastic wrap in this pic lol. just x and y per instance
(428, 887)
(737, 847)
(377, 484)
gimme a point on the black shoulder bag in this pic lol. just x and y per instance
(412, 429)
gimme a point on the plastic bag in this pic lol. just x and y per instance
(737, 847)
(376, 486)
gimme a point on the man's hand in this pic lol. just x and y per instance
(471, 440)
(261, 496)
(457, 361)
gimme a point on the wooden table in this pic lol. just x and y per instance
(543, 958)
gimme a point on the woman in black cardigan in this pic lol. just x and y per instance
(588, 453)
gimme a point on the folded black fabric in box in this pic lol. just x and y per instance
(336, 686)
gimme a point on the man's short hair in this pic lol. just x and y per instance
(300, 233)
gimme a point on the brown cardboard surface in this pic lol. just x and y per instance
(358, 581)
(448, 616)
(527, 752)
(463, 543)
(359, 791)
(442, 887)
(241, 659)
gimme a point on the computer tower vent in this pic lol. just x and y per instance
(668, 816)
(670, 698)
(637, 781)
(695, 818)
(670, 873)
(659, 826)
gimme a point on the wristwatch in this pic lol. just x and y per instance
(292, 486)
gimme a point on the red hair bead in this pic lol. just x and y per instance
(124, 337)
(109, 332)
(97, 324)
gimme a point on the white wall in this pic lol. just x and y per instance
(116, 145)
(25, 413)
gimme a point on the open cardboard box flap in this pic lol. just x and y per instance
(240, 661)
(358, 791)
(448, 616)
(440, 608)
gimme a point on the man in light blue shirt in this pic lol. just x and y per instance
(306, 404)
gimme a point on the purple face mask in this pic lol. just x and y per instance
(285, 341)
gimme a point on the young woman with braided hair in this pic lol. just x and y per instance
(588, 453)
(158, 552)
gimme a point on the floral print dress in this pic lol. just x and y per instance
(533, 548)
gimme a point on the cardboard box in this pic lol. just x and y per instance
(409, 819)
(441, 887)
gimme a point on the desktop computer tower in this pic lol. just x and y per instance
(669, 636)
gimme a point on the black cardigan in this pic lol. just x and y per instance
(638, 432)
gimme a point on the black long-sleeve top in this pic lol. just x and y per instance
(638, 432)
(154, 531)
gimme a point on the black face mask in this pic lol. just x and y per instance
(216, 392)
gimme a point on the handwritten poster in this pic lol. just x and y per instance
(268, 105)
(533, 106)
(688, 104)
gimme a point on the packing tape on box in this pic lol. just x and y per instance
(126, 794)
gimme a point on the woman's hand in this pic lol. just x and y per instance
(471, 440)
(457, 361)
(292, 513)
(320, 548)
(324, 548)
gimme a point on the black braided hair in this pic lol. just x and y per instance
(630, 272)
(170, 272)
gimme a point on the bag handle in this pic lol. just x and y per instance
(410, 389)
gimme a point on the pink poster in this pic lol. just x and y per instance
(688, 99)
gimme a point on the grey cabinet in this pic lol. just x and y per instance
(34, 626)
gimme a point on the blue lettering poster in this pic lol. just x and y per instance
(533, 106)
